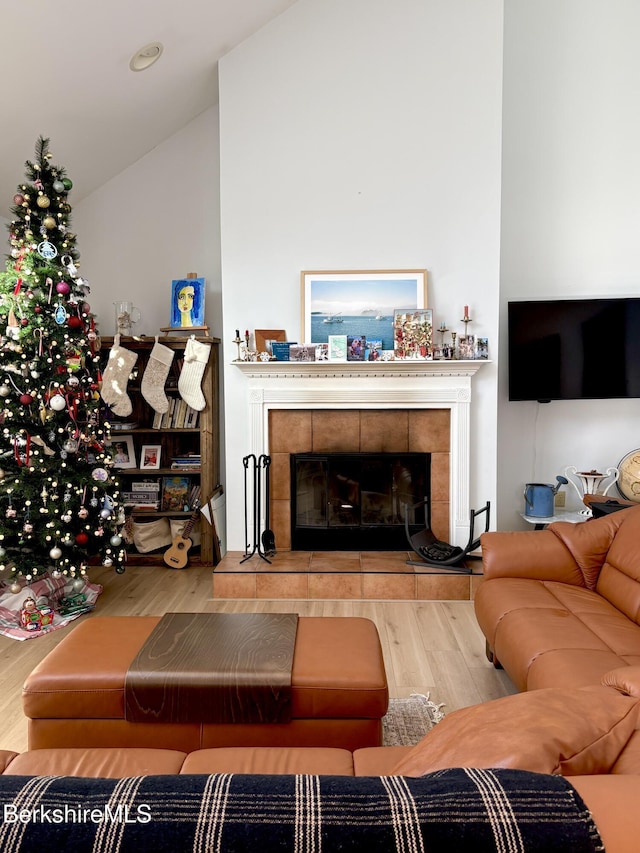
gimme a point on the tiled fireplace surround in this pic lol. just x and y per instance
(414, 407)
(357, 431)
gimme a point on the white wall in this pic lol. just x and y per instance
(362, 134)
(154, 222)
(570, 214)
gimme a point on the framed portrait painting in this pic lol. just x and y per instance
(187, 303)
(358, 302)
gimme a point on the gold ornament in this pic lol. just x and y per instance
(49, 222)
(43, 201)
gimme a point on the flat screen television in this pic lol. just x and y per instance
(574, 349)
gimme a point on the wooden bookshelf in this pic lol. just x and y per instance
(173, 441)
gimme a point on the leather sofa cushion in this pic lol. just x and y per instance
(625, 679)
(378, 760)
(526, 621)
(6, 757)
(272, 760)
(553, 730)
(97, 762)
(589, 543)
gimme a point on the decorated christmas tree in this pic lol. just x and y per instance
(58, 493)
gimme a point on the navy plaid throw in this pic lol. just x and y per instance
(454, 810)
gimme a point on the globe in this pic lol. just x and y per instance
(629, 481)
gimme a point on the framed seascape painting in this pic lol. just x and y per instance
(187, 303)
(358, 303)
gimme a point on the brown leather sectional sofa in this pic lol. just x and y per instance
(560, 610)
(561, 607)
(611, 799)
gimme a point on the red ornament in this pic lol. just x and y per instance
(24, 322)
(81, 538)
(26, 399)
(38, 309)
(63, 287)
(18, 198)
(74, 322)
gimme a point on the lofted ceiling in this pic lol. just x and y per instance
(65, 76)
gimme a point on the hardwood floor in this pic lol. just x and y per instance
(431, 647)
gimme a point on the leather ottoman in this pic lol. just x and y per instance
(75, 696)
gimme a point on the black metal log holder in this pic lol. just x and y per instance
(436, 553)
(256, 470)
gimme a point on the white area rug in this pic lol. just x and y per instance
(408, 720)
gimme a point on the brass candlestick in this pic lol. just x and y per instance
(466, 320)
(237, 341)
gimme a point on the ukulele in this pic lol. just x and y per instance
(177, 554)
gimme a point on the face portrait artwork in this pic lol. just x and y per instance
(187, 304)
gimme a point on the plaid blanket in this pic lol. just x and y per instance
(454, 810)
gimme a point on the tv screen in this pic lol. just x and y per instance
(573, 349)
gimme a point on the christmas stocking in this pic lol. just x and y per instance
(155, 375)
(196, 357)
(116, 377)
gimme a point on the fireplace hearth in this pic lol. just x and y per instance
(356, 501)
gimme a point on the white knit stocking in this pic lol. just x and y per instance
(116, 377)
(196, 357)
(155, 375)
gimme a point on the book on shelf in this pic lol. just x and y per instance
(179, 415)
(189, 460)
(145, 486)
(175, 493)
(141, 500)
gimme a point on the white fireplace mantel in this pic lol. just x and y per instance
(388, 385)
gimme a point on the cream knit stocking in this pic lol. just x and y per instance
(196, 357)
(116, 377)
(155, 375)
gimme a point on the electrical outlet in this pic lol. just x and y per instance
(559, 500)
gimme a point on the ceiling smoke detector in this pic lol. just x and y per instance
(146, 56)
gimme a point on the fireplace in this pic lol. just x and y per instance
(318, 407)
(356, 501)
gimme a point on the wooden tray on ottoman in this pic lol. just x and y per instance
(76, 695)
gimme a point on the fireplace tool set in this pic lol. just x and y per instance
(260, 540)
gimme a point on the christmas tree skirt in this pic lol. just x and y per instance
(65, 602)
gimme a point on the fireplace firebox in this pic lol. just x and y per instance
(356, 501)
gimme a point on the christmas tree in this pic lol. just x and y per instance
(58, 491)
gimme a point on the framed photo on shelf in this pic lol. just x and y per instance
(123, 453)
(187, 302)
(150, 456)
(337, 347)
(413, 333)
(175, 493)
(264, 337)
(358, 302)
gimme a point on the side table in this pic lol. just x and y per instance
(561, 515)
